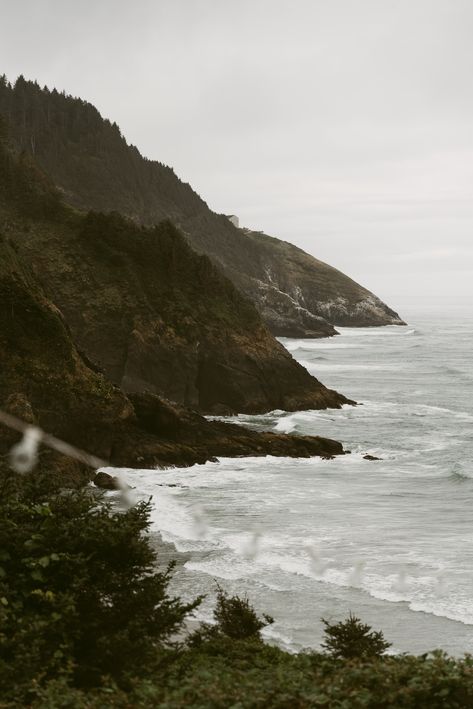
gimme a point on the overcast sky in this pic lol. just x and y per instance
(343, 126)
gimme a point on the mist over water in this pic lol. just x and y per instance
(390, 540)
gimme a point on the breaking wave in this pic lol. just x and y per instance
(391, 537)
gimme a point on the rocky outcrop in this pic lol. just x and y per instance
(146, 310)
(182, 437)
(92, 165)
(283, 313)
(153, 316)
(105, 481)
(45, 381)
(313, 286)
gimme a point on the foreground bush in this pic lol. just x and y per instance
(86, 623)
(248, 675)
(352, 638)
(234, 618)
(79, 592)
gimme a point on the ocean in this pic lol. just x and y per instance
(389, 540)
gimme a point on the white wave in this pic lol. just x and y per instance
(421, 409)
(425, 595)
(460, 612)
(270, 633)
(229, 568)
(288, 424)
(349, 367)
(421, 594)
(384, 331)
(293, 345)
(372, 407)
(249, 419)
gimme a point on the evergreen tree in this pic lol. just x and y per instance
(353, 639)
(80, 594)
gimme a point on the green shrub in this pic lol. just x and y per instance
(351, 638)
(80, 595)
(235, 618)
(86, 623)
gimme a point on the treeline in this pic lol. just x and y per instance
(23, 183)
(88, 156)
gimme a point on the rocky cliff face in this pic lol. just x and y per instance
(45, 381)
(93, 166)
(145, 309)
(314, 287)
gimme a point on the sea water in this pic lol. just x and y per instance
(389, 540)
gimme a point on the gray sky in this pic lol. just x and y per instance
(344, 126)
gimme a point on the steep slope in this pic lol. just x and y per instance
(45, 381)
(93, 166)
(146, 309)
(320, 288)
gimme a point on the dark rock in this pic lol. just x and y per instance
(44, 378)
(17, 404)
(44, 381)
(198, 440)
(80, 406)
(106, 481)
(162, 318)
(371, 457)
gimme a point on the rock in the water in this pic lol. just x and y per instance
(106, 481)
(194, 439)
(371, 457)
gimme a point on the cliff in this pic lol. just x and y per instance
(45, 381)
(145, 309)
(94, 167)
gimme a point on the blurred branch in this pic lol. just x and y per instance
(52, 442)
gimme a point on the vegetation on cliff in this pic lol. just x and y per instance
(117, 295)
(93, 166)
(44, 380)
(145, 309)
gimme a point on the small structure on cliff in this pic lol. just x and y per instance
(234, 220)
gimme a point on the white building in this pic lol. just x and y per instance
(234, 220)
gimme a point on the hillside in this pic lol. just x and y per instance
(145, 309)
(44, 380)
(94, 168)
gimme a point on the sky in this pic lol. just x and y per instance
(342, 126)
